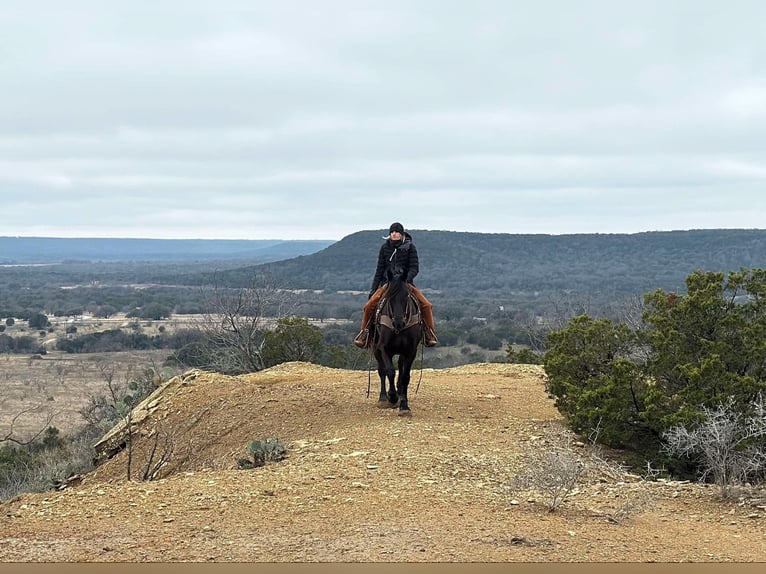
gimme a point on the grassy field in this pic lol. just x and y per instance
(58, 385)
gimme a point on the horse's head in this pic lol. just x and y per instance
(398, 295)
(395, 274)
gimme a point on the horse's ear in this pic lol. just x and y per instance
(396, 275)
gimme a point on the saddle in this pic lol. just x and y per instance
(383, 314)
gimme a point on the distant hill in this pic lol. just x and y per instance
(28, 250)
(488, 266)
(491, 269)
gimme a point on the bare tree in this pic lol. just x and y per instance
(237, 319)
(60, 373)
(728, 444)
(108, 407)
(161, 448)
(553, 470)
(8, 437)
(557, 464)
(564, 307)
(561, 309)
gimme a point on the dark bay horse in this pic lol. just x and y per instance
(397, 332)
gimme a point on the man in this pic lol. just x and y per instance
(396, 256)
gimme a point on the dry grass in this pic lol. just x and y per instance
(59, 384)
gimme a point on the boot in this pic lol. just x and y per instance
(429, 337)
(362, 339)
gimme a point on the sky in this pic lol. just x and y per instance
(256, 119)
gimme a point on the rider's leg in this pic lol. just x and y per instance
(362, 340)
(426, 310)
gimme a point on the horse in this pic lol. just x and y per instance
(397, 332)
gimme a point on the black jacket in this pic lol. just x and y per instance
(396, 258)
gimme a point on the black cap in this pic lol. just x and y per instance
(396, 227)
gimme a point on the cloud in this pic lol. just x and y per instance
(240, 119)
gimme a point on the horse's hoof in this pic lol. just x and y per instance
(405, 413)
(382, 404)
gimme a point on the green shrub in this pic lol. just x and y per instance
(692, 352)
(263, 451)
(42, 464)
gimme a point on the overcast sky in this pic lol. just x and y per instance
(316, 119)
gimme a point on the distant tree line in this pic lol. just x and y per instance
(522, 272)
(112, 340)
(20, 344)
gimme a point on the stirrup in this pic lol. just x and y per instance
(429, 339)
(362, 338)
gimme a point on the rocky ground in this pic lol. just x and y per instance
(361, 484)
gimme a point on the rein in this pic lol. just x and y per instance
(369, 361)
(369, 376)
(420, 378)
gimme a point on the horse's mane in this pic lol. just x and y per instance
(397, 296)
(399, 309)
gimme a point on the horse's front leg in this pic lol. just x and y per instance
(405, 368)
(386, 372)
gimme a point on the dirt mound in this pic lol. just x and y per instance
(360, 483)
(203, 420)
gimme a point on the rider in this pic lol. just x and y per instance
(396, 255)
